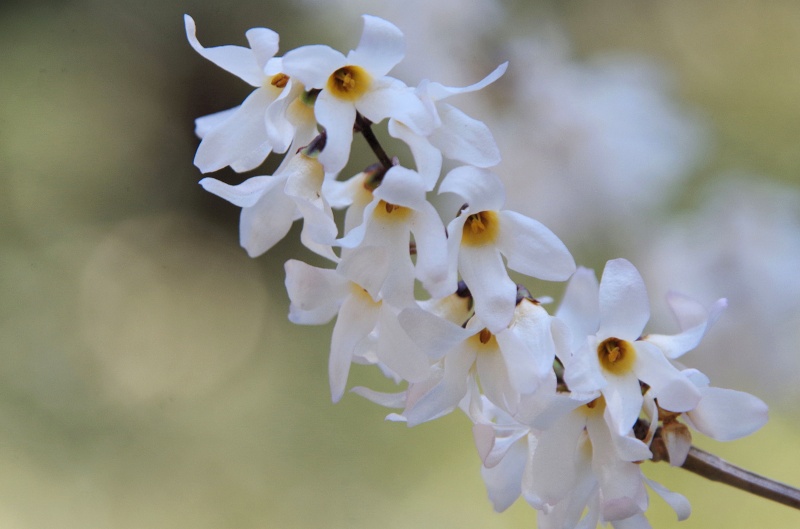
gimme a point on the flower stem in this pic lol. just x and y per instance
(716, 469)
(364, 126)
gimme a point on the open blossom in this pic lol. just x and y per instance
(357, 83)
(613, 359)
(366, 329)
(482, 234)
(268, 119)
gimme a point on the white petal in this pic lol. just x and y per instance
(397, 350)
(503, 481)
(437, 91)
(313, 291)
(267, 222)
(673, 390)
(434, 335)
(337, 117)
(624, 306)
(528, 347)
(465, 139)
(402, 187)
(241, 139)
(366, 266)
(532, 249)
(264, 43)
(552, 466)
(623, 397)
(678, 502)
(389, 98)
(313, 65)
(205, 124)
(580, 306)
(247, 193)
(725, 414)
(381, 47)
(444, 396)
(388, 400)
(357, 318)
(492, 290)
(428, 159)
(431, 243)
(479, 188)
(582, 369)
(237, 60)
(694, 320)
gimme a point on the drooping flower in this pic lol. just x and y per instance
(270, 118)
(366, 329)
(398, 210)
(270, 204)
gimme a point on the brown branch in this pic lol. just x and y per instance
(716, 469)
(364, 126)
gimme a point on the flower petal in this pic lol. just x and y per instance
(427, 158)
(624, 306)
(241, 139)
(267, 222)
(465, 139)
(381, 47)
(246, 194)
(492, 290)
(237, 60)
(337, 117)
(315, 293)
(264, 43)
(480, 188)
(205, 124)
(673, 390)
(623, 397)
(725, 414)
(357, 318)
(313, 65)
(434, 335)
(532, 249)
(678, 502)
(580, 306)
(438, 91)
(390, 98)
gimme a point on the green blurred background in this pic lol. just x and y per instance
(150, 378)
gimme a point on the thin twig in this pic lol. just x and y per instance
(364, 126)
(714, 468)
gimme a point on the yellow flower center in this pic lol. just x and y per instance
(487, 341)
(349, 82)
(616, 356)
(279, 80)
(393, 212)
(481, 228)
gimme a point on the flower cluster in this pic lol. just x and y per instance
(564, 405)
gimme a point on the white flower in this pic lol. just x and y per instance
(509, 363)
(365, 328)
(270, 118)
(398, 210)
(357, 83)
(456, 136)
(270, 204)
(613, 359)
(482, 234)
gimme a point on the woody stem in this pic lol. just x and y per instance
(364, 126)
(716, 469)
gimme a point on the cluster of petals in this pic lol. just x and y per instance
(554, 398)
